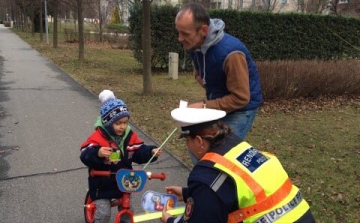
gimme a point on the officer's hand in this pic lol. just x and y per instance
(105, 152)
(165, 215)
(176, 190)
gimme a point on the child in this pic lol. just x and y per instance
(112, 146)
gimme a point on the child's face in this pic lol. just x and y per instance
(120, 125)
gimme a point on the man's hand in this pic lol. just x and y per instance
(197, 105)
(199, 80)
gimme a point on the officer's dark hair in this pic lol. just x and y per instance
(200, 15)
(214, 133)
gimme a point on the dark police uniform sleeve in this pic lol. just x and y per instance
(203, 204)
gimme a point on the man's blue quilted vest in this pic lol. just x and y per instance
(215, 77)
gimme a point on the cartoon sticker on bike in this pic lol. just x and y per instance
(131, 181)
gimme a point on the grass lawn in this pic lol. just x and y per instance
(318, 141)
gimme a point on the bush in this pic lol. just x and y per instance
(117, 41)
(115, 16)
(70, 35)
(269, 36)
(309, 78)
(117, 28)
(7, 24)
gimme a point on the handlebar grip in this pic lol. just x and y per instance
(160, 176)
(100, 173)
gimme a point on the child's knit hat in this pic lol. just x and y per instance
(112, 109)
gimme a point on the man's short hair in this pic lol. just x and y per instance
(200, 14)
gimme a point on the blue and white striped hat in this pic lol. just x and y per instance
(112, 109)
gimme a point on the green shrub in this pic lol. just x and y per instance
(117, 28)
(7, 24)
(115, 16)
(268, 36)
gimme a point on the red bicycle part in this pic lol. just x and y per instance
(160, 176)
(125, 200)
(122, 213)
(89, 209)
(100, 173)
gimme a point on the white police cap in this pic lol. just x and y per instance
(192, 116)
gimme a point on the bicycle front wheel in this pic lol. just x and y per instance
(124, 216)
(89, 209)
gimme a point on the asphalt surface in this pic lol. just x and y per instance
(44, 116)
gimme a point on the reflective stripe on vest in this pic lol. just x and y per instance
(281, 211)
(262, 201)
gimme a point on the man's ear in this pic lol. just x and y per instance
(204, 30)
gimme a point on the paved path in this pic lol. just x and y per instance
(44, 116)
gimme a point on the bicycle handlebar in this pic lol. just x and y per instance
(100, 173)
(107, 173)
(160, 176)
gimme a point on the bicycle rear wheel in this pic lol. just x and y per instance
(124, 216)
(89, 209)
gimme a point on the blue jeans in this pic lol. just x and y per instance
(240, 124)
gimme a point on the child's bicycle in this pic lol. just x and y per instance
(129, 181)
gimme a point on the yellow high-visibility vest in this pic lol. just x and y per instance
(265, 192)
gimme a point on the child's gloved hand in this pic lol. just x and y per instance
(158, 152)
(105, 152)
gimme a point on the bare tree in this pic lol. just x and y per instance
(316, 6)
(351, 7)
(80, 30)
(99, 9)
(147, 85)
(41, 19)
(100, 21)
(301, 5)
(333, 7)
(55, 26)
(31, 9)
(265, 5)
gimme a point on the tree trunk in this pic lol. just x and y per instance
(80, 30)
(17, 18)
(41, 21)
(100, 22)
(146, 49)
(33, 23)
(55, 25)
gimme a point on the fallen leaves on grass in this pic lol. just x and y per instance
(308, 104)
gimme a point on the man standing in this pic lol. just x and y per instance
(222, 65)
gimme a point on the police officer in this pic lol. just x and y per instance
(233, 182)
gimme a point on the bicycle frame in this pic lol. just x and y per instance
(125, 201)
